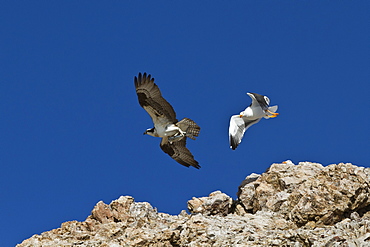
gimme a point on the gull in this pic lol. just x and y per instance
(259, 108)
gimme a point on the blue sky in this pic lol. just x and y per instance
(71, 126)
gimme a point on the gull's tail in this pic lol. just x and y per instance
(189, 127)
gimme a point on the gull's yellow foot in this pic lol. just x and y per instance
(274, 114)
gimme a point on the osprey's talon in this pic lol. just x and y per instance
(181, 133)
(174, 137)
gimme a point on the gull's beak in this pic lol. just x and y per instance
(240, 115)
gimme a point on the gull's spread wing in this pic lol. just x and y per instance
(237, 128)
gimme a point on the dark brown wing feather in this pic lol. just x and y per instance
(150, 98)
(178, 151)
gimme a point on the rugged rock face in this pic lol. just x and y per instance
(288, 205)
(308, 192)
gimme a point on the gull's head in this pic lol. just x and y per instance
(151, 132)
(267, 100)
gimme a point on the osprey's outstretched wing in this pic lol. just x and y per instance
(237, 127)
(178, 151)
(150, 98)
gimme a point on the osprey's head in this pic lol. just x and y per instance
(151, 132)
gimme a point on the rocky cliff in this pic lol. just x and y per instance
(288, 205)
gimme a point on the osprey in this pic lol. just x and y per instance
(258, 109)
(166, 126)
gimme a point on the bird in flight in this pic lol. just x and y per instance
(173, 132)
(259, 108)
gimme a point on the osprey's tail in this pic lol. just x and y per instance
(189, 127)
